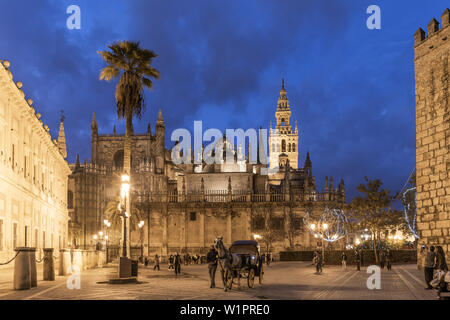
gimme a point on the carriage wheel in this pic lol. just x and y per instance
(229, 279)
(261, 275)
(251, 278)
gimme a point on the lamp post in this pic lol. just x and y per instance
(141, 231)
(125, 189)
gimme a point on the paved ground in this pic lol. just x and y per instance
(282, 280)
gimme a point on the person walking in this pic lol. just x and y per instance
(268, 258)
(358, 260)
(170, 262)
(177, 263)
(382, 259)
(344, 260)
(430, 262)
(319, 262)
(441, 264)
(211, 260)
(146, 261)
(388, 259)
(156, 262)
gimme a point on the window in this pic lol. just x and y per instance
(293, 147)
(1, 235)
(118, 159)
(26, 236)
(14, 235)
(277, 223)
(283, 145)
(289, 147)
(258, 223)
(13, 155)
(273, 147)
(193, 216)
(70, 199)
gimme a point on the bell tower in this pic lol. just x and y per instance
(283, 141)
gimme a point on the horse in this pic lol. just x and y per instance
(228, 263)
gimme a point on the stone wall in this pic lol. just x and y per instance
(433, 132)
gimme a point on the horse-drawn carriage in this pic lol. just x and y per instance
(242, 260)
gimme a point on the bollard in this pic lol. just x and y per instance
(24, 268)
(78, 259)
(49, 265)
(65, 267)
(100, 257)
(33, 272)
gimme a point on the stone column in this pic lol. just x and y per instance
(49, 266)
(164, 235)
(202, 229)
(65, 266)
(229, 240)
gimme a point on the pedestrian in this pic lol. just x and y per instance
(268, 258)
(170, 262)
(388, 259)
(146, 261)
(177, 263)
(263, 257)
(156, 262)
(318, 262)
(358, 259)
(211, 259)
(442, 268)
(441, 264)
(382, 259)
(430, 262)
(344, 260)
(186, 259)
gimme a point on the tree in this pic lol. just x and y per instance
(372, 210)
(113, 215)
(128, 58)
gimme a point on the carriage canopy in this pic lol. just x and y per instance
(245, 246)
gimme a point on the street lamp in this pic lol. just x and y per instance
(141, 231)
(124, 190)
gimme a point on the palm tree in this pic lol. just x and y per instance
(113, 215)
(134, 63)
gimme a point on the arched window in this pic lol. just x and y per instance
(282, 121)
(278, 147)
(69, 199)
(289, 147)
(118, 159)
(293, 147)
(283, 145)
(273, 147)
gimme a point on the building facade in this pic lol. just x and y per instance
(33, 174)
(431, 62)
(186, 206)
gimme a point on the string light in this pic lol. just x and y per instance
(330, 226)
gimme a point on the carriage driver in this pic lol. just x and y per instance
(211, 259)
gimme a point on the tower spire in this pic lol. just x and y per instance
(62, 138)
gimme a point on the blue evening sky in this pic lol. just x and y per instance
(350, 88)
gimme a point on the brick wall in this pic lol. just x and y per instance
(433, 132)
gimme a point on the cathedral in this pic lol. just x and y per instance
(184, 207)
